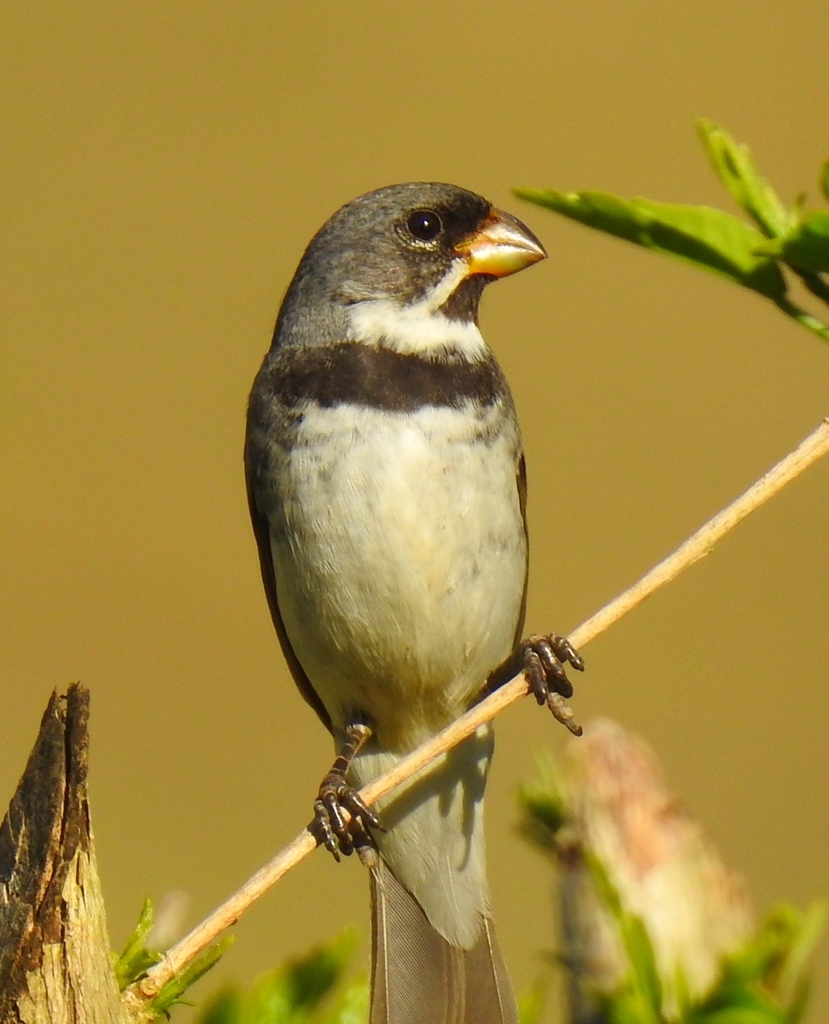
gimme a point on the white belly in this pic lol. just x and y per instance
(400, 558)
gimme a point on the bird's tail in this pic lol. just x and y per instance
(418, 977)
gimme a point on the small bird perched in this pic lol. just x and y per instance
(387, 490)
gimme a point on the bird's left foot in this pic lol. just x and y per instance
(544, 661)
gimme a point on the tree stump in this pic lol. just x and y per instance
(55, 961)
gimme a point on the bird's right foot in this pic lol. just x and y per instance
(342, 819)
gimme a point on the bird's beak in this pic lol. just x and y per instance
(501, 246)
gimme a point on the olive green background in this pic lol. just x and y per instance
(163, 165)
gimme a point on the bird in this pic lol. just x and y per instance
(387, 489)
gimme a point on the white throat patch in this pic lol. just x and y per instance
(419, 329)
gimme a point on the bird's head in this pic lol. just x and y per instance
(405, 267)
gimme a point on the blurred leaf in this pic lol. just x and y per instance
(763, 981)
(224, 1008)
(642, 994)
(311, 978)
(628, 1007)
(542, 804)
(531, 1004)
(735, 168)
(824, 179)
(767, 981)
(350, 1006)
(738, 1015)
(301, 991)
(701, 235)
(136, 959)
(806, 246)
(763, 957)
(795, 977)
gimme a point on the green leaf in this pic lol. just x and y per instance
(806, 246)
(735, 168)
(309, 979)
(740, 1015)
(627, 1007)
(824, 179)
(766, 980)
(701, 235)
(779, 954)
(224, 1008)
(136, 959)
(543, 810)
(350, 1006)
(172, 992)
(306, 990)
(531, 1004)
(794, 978)
(644, 987)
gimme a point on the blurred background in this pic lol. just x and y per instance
(164, 164)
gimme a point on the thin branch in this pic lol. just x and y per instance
(698, 545)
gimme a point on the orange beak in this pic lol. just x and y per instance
(501, 246)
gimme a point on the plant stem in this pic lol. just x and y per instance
(815, 283)
(806, 319)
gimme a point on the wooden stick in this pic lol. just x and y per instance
(698, 545)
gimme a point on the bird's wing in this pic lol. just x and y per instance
(262, 533)
(521, 484)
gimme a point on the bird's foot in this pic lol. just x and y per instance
(340, 834)
(342, 819)
(544, 661)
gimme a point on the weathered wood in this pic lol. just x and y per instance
(55, 964)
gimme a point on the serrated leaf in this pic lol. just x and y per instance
(735, 167)
(806, 247)
(706, 237)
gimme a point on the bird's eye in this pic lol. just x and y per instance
(424, 225)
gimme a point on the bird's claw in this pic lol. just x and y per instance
(544, 660)
(343, 833)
